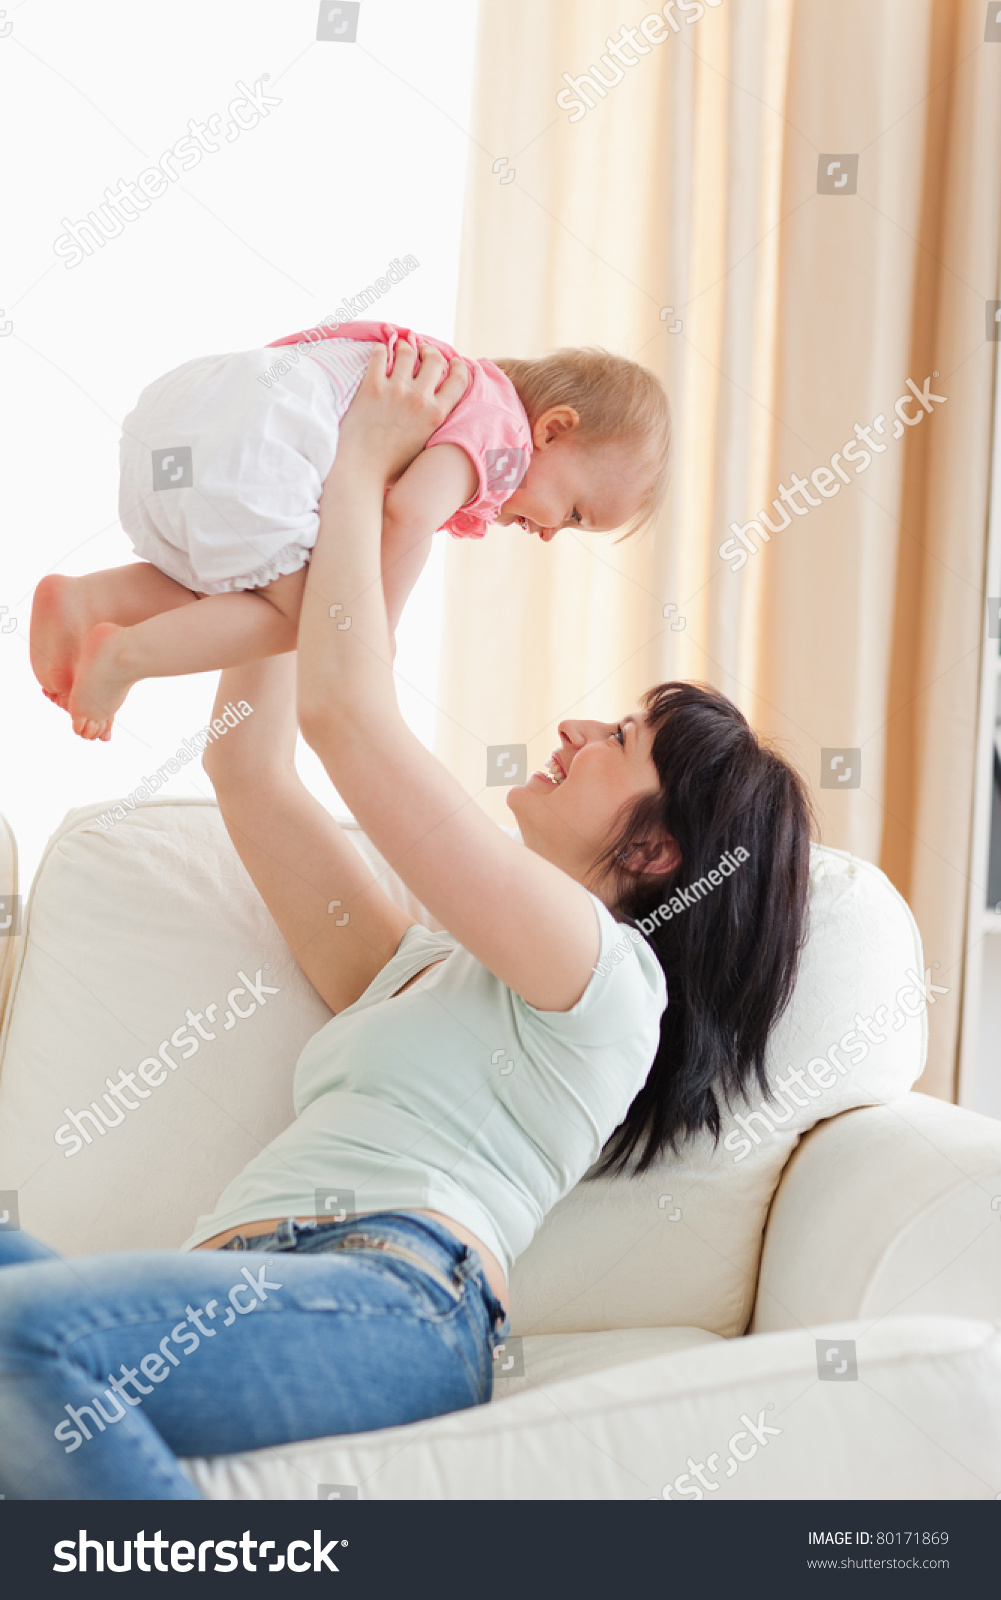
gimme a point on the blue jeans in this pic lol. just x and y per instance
(113, 1366)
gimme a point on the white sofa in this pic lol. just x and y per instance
(810, 1309)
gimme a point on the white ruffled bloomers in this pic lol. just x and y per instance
(248, 454)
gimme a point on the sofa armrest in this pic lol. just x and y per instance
(886, 1210)
(922, 1420)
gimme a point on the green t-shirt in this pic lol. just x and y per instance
(458, 1096)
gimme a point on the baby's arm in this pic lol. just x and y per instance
(434, 486)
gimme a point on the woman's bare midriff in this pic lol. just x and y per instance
(492, 1269)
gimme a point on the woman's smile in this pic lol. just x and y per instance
(553, 771)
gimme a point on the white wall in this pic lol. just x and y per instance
(362, 161)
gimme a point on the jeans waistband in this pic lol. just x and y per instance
(423, 1236)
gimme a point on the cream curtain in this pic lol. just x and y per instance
(676, 218)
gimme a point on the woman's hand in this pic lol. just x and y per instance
(392, 416)
(345, 651)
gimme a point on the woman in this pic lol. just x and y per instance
(468, 1080)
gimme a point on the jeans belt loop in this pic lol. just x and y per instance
(467, 1265)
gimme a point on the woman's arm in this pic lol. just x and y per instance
(336, 920)
(528, 922)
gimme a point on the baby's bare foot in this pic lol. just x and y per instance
(60, 618)
(101, 682)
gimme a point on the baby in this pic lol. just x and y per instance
(222, 464)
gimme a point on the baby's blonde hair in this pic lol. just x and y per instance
(617, 401)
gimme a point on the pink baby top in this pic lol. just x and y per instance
(489, 423)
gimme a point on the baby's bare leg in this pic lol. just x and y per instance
(65, 609)
(285, 594)
(222, 630)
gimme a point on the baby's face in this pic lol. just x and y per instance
(597, 487)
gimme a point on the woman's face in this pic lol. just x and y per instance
(569, 810)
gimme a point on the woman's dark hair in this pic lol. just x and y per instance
(729, 950)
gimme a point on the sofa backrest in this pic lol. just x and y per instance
(131, 929)
(9, 910)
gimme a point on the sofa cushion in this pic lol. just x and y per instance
(681, 1243)
(130, 929)
(544, 1358)
(136, 928)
